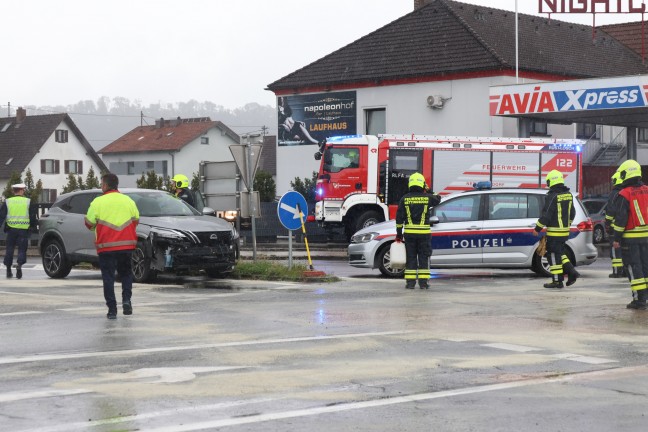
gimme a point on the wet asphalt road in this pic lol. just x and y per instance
(481, 351)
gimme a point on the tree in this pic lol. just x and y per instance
(195, 181)
(92, 182)
(265, 185)
(33, 191)
(150, 180)
(71, 185)
(306, 187)
(14, 179)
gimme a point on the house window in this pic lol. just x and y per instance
(50, 166)
(538, 128)
(150, 166)
(204, 140)
(61, 135)
(47, 196)
(375, 121)
(73, 167)
(642, 136)
(587, 131)
(164, 169)
(130, 168)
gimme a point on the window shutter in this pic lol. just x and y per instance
(80, 167)
(66, 167)
(42, 166)
(57, 166)
(65, 136)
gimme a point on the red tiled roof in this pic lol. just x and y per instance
(166, 135)
(629, 34)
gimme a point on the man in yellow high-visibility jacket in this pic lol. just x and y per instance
(19, 216)
(113, 217)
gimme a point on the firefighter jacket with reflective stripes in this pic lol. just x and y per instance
(558, 212)
(610, 206)
(631, 218)
(17, 213)
(413, 212)
(114, 217)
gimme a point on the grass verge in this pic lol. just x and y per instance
(268, 270)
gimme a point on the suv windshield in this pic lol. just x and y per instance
(155, 204)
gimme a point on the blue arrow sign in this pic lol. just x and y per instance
(288, 210)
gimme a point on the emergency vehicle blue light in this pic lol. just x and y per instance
(320, 191)
(482, 185)
(342, 137)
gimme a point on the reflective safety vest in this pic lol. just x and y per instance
(18, 212)
(637, 225)
(114, 218)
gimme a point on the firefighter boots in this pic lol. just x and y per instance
(410, 284)
(423, 284)
(572, 274)
(554, 284)
(640, 302)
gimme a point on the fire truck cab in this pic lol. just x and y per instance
(362, 177)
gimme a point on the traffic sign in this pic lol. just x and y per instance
(239, 152)
(289, 213)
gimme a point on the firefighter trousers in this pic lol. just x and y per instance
(418, 249)
(558, 261)
(636, 257)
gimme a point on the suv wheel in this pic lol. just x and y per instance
(540, 264)
(141, 263)
(384, 264)
(55, 262)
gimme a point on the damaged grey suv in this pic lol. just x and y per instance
(172, 236)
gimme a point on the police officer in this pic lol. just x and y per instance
(113, 217)
(19, 216)
(631, 229)
(413, 215)
(615, 253)
(181, 184)
(557, 215)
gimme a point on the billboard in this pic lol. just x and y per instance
(309, 119)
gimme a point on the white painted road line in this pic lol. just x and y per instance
(16, 396)
(21, 313)
(53, 357)
(584, 359)
(510, 347)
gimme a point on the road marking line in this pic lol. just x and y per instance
(584, 359)
(50, 357)
(511, 347)
(16, 396)
(21, 313)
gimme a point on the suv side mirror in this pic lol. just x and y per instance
(434, 220)
(208, 211)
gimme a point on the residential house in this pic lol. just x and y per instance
(169, 147)
(51, 146)
(430, 72)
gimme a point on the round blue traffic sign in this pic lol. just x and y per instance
(288, 209)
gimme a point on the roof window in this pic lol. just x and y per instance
(9, 161)
(5, 127)
(169, 134)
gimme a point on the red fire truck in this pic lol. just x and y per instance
(362, 177)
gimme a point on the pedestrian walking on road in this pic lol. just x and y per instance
(113, 217)
(412, 217)
(19, 216)
(618, 270)
(557, 215)
(631, 230)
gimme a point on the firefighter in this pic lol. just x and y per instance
(412, 217)
(181, 185)
(557, 215)
(615, 253)
(631, 229)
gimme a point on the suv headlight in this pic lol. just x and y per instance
(167, 233)
(364, 238)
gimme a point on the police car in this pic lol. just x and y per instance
(491, 228)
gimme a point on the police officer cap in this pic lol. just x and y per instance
(19, 186)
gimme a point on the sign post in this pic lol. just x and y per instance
(289, 210)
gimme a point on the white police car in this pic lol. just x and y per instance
(482, 228)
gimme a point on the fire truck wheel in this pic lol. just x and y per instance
(366, 219)
(384, 263)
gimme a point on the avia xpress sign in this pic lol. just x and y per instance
(568, 96)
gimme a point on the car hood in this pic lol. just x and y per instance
(382, 228)
(192, 223)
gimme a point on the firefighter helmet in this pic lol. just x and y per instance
(616, 179)
(554, 178)
(181, 181)
(417, 179)
(629, 169)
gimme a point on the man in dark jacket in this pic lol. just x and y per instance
(413, 215)
(631, 230)
(182, 191)
(610, 210)
(557, 215)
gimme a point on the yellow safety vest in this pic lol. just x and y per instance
(18, 212)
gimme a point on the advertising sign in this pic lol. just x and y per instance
(566, 96)
(309, 119)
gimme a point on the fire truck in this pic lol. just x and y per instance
(362, 177)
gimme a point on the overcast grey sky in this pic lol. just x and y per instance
(224, 51)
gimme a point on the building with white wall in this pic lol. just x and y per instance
(451, 51)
